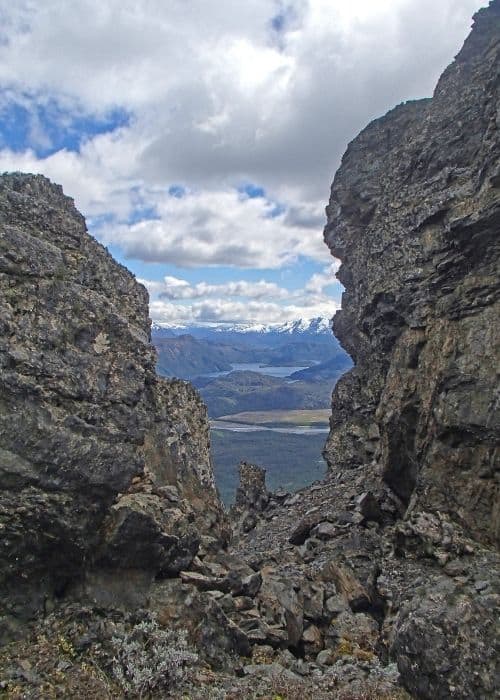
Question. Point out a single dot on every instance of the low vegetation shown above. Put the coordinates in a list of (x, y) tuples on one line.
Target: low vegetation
[(149, 660)]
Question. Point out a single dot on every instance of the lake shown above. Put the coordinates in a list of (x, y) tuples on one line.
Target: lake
[(278, 371), (290, 464)]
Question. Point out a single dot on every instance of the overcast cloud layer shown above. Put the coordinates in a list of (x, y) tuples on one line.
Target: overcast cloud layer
[(198, 133)]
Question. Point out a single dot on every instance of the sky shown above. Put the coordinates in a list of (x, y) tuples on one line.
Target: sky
[(200, 137)]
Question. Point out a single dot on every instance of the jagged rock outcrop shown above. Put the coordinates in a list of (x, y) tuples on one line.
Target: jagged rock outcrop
[(251, 497), (104, 467), (414, 216)]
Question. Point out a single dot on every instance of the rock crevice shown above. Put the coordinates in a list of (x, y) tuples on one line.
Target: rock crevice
[(380, 581)]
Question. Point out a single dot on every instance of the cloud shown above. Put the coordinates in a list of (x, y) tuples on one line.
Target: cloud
[(183, 107), (321, 280), (212, 228), (176, 300), (227, 310), (174, 288), (219, 94), (97, 176)]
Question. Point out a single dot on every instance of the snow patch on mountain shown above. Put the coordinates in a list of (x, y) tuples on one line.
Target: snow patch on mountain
[(317, 325)]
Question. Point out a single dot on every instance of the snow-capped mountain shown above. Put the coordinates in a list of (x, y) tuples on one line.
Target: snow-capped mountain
[(160, 331), (314, 326)]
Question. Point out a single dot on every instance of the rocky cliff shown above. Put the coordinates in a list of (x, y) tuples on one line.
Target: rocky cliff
[(104, 467), (414, 215)]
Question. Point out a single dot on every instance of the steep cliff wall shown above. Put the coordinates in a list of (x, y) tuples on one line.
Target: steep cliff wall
[(103, 466), (414, 215)]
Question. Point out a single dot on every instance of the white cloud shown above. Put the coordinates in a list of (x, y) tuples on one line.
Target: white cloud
[(175, 288), (227, 310), (215, 94), (98, 177), (176, 300), (320, 280), (216, 228)]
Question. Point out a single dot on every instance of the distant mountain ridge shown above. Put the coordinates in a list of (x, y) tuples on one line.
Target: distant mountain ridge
[(202, 351), (316, 326), (325, 371), (186, 357), (199, 352)]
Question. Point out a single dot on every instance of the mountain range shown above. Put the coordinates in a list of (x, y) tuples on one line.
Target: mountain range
[(315, 326), (308, 348), (193, 351)]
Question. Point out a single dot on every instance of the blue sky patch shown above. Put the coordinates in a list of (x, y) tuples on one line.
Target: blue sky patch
[(143, 213), (177, 191), (95, 223), (252, 191), (277, 210), (46, 128), (278, 22)]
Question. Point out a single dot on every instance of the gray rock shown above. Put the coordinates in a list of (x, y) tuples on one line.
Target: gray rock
[(335, 605), (369, 507), (252, 492), (313, 602), (325, 657), (303, 529), (446, 646), (358, 630), (414, 216), (324, 531), (282, 604), (250, 585), (86, 426), (416, 227), (348, 585)]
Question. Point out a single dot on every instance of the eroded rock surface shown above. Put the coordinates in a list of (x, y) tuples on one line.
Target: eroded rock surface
[(414, 215), (102, 464)]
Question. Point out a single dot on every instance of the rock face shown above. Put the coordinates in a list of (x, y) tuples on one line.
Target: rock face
[(414, 215), (103, 466)]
